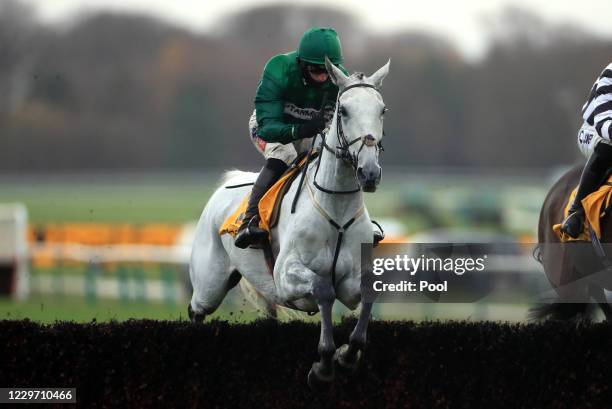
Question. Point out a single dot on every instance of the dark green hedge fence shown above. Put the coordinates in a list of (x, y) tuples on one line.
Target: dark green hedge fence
[(264, 365)]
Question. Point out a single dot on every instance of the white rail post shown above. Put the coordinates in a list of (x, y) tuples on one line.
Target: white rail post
[(14, 276)]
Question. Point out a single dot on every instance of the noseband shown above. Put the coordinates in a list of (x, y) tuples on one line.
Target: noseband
[(342, 150)]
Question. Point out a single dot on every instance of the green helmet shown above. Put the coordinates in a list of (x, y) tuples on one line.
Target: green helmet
[(316, 43)]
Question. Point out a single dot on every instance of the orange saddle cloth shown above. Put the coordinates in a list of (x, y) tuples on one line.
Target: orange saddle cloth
[(269, 205), (595, 206)]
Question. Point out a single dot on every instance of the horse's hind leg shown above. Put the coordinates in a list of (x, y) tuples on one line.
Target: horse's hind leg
[(349, 356), (210, 275), (207, 308)]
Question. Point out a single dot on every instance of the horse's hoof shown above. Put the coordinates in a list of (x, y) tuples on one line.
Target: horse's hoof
[(318, 381), (195, 317), (347, 365)]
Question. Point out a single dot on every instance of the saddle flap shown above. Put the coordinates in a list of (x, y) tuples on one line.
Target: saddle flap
[(269, 205), (596, 205)]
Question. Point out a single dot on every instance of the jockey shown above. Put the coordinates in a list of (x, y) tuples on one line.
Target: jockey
[(294, 100), (594, 143)]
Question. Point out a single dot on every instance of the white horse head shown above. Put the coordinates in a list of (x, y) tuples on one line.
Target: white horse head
[(359, 116)]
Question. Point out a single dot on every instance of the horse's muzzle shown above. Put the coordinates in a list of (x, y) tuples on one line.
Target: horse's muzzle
[(369, 177)]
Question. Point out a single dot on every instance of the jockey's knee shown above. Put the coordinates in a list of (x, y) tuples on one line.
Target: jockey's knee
[(283, 152)]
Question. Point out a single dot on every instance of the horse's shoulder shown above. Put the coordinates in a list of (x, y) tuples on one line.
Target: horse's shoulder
[(554, 203), (563, 186)]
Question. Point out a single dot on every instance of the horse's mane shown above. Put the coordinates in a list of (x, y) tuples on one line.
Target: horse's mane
[(357, 75)]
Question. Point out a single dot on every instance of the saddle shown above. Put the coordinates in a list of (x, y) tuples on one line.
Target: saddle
[(596, 205), (270, 203)]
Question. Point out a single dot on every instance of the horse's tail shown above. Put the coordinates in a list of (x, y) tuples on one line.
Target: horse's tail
[(237, 176), (557, 310), (268, 308), (258, 301)]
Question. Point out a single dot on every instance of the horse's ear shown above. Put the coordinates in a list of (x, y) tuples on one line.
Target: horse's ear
[(337, 76), (377, 78)]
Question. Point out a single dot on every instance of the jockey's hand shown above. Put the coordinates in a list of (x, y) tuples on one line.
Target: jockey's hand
[(311, 128)]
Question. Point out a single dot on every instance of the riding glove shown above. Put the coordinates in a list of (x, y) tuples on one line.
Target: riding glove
[(311, 128)]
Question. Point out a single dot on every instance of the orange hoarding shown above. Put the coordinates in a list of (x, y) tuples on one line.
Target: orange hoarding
[(96, 234)]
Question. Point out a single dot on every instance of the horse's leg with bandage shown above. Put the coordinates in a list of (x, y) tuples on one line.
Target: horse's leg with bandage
[(323, 371)]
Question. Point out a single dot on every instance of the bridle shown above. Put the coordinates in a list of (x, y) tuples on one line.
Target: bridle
[(342, 150)]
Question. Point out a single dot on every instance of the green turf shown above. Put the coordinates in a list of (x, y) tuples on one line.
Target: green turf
[(163, 201), (48, 309), (169, 203)]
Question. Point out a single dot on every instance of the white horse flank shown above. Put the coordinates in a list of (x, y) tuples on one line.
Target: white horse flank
[(305, 242)]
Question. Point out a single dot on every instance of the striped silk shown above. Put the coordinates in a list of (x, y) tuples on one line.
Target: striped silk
[(597, 111)]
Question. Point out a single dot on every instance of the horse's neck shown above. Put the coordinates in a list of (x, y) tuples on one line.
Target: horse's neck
[(335, 174)]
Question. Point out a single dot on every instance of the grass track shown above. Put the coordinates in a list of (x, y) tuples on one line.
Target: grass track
[(151, 198), (47, 309)]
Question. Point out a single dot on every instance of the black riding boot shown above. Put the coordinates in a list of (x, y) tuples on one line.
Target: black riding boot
[(592, 177), (249, 232)]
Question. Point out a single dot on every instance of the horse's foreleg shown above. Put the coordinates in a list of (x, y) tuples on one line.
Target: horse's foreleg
[(349, 356), (322, 372)]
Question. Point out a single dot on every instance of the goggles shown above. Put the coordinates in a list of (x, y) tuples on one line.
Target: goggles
[(316, 69)]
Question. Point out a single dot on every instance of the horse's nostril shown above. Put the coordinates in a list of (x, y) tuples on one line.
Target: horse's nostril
[(369, 140), (368, 174)]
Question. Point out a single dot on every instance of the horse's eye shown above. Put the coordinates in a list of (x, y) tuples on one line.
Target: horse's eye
[(384, 110), (343, 111)]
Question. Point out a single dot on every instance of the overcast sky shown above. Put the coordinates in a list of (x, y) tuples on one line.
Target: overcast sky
[(460, 20)]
